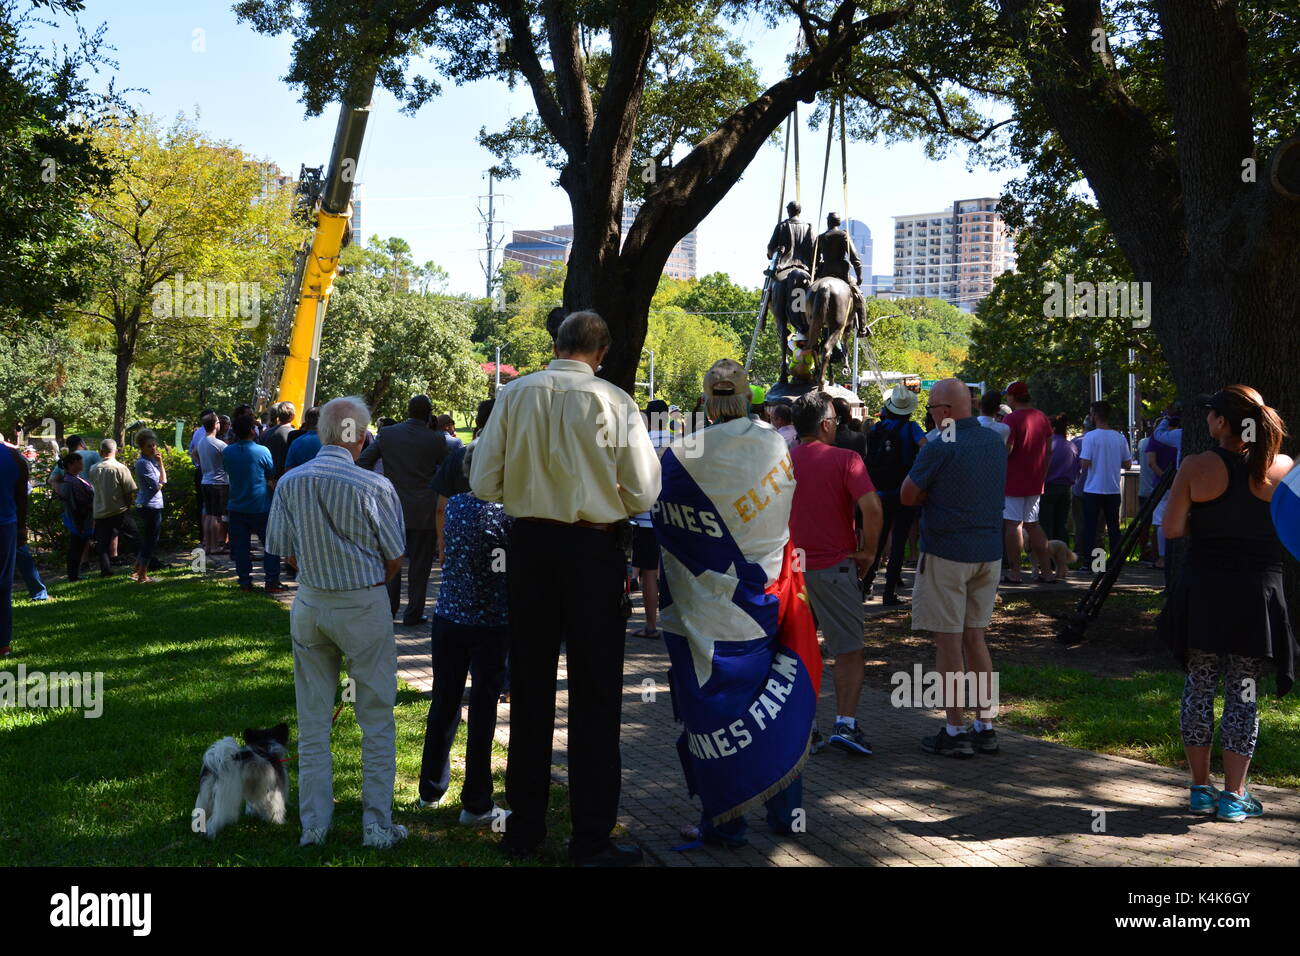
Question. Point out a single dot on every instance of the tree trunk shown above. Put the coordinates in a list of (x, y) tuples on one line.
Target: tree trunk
[(124, 355)]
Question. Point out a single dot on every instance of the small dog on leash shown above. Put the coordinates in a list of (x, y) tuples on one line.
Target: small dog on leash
[(1061, 558), (254, 774)]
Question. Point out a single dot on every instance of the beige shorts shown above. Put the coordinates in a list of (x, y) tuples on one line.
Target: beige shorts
[(950, 596)]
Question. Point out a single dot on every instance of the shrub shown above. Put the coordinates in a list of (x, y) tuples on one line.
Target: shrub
[(180, 513)]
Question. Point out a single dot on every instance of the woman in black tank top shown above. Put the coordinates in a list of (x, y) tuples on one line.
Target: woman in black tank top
[(1226, 615)]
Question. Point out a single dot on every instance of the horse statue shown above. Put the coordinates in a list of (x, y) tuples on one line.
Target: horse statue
[(786, 303), (830, 315)]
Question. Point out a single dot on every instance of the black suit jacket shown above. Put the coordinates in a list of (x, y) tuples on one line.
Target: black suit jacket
[(412, 452)]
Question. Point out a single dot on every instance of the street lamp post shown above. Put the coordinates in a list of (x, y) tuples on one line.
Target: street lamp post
[(650, 385)]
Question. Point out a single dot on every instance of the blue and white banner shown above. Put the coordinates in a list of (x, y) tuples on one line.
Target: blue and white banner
[(746, 668)]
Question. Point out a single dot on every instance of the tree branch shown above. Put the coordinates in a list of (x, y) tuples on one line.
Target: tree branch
[(525, 57), (1130, 170)]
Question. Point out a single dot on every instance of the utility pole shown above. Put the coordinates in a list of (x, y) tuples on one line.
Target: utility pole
[(493, 240)]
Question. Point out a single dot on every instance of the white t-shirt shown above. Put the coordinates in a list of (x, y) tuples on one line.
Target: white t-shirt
[(1106, 450), (1002, 428)]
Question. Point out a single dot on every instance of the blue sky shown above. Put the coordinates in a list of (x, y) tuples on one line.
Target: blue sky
[(423, 175)]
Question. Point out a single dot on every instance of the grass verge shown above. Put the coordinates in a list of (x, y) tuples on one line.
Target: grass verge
[(184, 662)]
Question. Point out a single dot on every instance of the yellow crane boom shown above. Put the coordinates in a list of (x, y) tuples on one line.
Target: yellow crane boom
[(296, 340)]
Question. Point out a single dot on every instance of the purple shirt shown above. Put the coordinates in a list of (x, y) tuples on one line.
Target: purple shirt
[(1063, 466)]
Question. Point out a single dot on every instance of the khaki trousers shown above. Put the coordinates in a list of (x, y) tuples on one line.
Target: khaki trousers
[(325, 626)]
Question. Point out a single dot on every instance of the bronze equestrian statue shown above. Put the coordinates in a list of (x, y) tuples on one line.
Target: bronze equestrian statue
[(834, 300), (792, 239)]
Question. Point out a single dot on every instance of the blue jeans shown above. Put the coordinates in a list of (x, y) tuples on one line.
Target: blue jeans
[(780, 817), (8, 554), (27, 570), (243, 525)]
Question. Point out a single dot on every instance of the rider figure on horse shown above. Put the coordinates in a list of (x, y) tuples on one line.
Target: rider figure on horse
[(793, 238), (835, 253)]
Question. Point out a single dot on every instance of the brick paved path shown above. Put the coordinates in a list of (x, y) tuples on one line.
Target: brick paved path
[(1034, 804)]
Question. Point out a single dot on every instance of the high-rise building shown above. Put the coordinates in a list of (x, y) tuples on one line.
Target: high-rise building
[(860, 233), (681, 261), (534, 249), (954, 254), (358, 196)]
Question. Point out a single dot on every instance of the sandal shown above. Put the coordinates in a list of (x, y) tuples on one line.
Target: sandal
[(646, 632)]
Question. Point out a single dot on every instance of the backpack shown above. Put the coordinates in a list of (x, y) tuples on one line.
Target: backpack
[(890, 453)]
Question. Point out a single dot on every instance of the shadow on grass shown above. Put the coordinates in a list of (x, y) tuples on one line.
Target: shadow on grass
[(184, 662)]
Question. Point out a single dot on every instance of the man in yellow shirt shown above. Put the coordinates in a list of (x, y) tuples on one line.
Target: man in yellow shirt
[(569, 457)]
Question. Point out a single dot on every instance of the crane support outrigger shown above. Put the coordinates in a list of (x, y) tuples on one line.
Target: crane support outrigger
[(295, 347)]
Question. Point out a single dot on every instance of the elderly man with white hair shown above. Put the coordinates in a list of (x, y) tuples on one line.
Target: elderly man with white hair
[(341, 526)]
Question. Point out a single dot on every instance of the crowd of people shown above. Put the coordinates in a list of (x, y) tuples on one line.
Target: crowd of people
[(537, 521)]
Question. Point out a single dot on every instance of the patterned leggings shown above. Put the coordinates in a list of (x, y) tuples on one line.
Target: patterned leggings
[(1239, 726)]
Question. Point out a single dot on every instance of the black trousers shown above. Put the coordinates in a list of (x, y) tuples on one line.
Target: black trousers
[(899, 517), (106, 529), (565, 585), (457, 648), (76, 548), (420, 546), (1054, 512), (1095, 506)]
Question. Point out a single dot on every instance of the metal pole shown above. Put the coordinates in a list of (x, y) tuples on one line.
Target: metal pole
[(652, 374), (1132, 402), (498, 371), (856, 350), (1096, 384), (490, 245)]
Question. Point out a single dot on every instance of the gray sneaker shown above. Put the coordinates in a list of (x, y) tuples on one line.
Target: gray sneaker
[(312, 837), (945, 744), (381, 838), (984, 741)]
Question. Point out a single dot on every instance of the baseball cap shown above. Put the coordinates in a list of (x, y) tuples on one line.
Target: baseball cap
[(1018, 390), (726, 377), (901, 401)]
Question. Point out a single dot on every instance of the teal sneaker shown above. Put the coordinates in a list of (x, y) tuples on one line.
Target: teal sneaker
[(1205, 799), (1235, 809)]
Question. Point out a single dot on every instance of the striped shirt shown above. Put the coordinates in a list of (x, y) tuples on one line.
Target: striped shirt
[(340, 521)]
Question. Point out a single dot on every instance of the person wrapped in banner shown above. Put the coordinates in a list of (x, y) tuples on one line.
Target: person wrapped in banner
[(745, 668)]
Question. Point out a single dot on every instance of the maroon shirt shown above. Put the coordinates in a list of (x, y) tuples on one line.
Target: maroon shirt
[(1031, 437)]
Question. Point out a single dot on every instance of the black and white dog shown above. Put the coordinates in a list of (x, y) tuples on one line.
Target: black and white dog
[(254, 774)]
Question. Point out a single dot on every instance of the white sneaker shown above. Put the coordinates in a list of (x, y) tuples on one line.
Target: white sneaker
[(421, 803), (381, 838), (313, 837), (482, 819)]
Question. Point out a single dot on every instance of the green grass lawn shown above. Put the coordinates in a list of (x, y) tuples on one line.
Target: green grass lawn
[(187, 661), (1136, 715)]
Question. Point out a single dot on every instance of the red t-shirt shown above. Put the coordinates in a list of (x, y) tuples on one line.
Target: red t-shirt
[(828, 483), (1027, 446)]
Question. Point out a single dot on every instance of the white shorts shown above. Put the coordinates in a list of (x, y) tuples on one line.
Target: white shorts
[(1023, 509)]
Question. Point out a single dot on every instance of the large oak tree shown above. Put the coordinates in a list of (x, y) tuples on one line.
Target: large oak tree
[(619, 87)]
